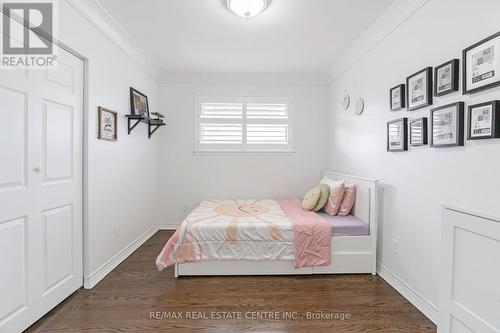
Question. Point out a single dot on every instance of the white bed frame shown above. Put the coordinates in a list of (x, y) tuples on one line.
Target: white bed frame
[(350, 254)]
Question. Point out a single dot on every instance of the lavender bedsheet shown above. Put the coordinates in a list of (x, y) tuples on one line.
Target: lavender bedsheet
[(346, 225)]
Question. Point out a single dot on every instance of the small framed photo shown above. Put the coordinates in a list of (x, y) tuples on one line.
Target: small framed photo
[(418, 132), (139, 103), (481, 65), (446, 78), (397, 97), (107, 124), (419, 89), (447, 125), (484, 121), (397, 135)]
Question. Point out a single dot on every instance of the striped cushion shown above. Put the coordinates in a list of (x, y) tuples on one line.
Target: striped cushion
[(348, 201), (335, 198)]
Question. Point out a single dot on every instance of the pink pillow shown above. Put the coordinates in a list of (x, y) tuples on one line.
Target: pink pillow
[(334, 199), (348, 200)]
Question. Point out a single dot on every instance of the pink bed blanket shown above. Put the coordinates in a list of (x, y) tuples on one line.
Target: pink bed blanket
[(272, 230), (313, 235)]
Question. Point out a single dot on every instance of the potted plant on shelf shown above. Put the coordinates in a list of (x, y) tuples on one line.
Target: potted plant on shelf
[(158, 116)]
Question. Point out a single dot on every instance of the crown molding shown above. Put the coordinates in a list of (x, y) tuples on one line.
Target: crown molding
[(99, 17), (285, 78), (397, 14)]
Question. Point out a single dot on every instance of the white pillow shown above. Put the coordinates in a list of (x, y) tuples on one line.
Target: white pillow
[(331, 183)]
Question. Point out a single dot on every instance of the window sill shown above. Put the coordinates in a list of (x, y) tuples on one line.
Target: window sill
[(239, 152)]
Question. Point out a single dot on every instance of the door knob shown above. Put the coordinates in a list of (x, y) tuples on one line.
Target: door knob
[(37, 170)]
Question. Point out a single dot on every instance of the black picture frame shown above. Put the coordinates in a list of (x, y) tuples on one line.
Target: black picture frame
[(402, 96), (454, 63), (459, 130), (495, 121), (425, 131), (428, 97), (465, 64), (133, 110), (405, 134)]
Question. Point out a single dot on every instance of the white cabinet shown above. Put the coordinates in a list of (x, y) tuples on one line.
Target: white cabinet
[(469, 291)]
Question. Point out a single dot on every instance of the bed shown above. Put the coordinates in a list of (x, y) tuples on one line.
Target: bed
[(351, 249)]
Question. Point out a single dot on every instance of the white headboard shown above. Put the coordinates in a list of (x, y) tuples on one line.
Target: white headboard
[(365, 207)]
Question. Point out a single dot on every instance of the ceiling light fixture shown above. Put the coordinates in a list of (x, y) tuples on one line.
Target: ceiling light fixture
[(247, 8)]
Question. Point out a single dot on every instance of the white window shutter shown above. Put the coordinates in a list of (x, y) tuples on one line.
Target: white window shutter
[(267, 124), (243, 124), (267, 134), (221, 133), (267, 111), (221, 111)]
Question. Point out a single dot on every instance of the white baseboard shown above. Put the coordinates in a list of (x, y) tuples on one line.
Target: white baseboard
[(428, 308), (89, 281), (169, 225)]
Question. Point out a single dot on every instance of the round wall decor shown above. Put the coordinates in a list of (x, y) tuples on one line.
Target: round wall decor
[(346, 102), (360, 106)]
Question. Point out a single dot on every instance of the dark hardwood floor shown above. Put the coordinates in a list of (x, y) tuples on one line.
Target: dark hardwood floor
[(137, 298)]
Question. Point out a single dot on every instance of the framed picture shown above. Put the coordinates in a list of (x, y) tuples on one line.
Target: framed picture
[(419, 89), (397, 135), (446, 78), (397, 97), (107, 124), (447, 125), (481, 65), (139, 103), (484, 121), (418, 132)]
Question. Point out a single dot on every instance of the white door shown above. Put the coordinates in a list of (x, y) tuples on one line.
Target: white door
[(40, 190)]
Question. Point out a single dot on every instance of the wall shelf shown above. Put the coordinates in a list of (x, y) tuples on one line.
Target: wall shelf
[(153, 124)]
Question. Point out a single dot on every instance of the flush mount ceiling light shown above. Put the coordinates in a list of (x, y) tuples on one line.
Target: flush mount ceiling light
[(247, 8)]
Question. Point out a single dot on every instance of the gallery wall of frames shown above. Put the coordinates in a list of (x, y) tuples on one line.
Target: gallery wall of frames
[(448, 125)]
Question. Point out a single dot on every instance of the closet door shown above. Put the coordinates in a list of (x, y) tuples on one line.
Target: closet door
[(40, 190)]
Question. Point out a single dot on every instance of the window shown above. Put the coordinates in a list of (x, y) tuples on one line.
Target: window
[(243, 124)]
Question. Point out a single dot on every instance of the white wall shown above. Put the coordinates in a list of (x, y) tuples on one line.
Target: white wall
[(188, 178), (121, 176), (415, 184)]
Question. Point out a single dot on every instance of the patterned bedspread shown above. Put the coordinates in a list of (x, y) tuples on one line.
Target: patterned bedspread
[(249, 230)]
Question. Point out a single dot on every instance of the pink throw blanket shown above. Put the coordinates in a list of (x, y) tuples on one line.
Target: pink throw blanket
[(313, 235)]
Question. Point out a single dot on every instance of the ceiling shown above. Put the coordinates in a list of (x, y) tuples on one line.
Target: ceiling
[(291, 36)]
